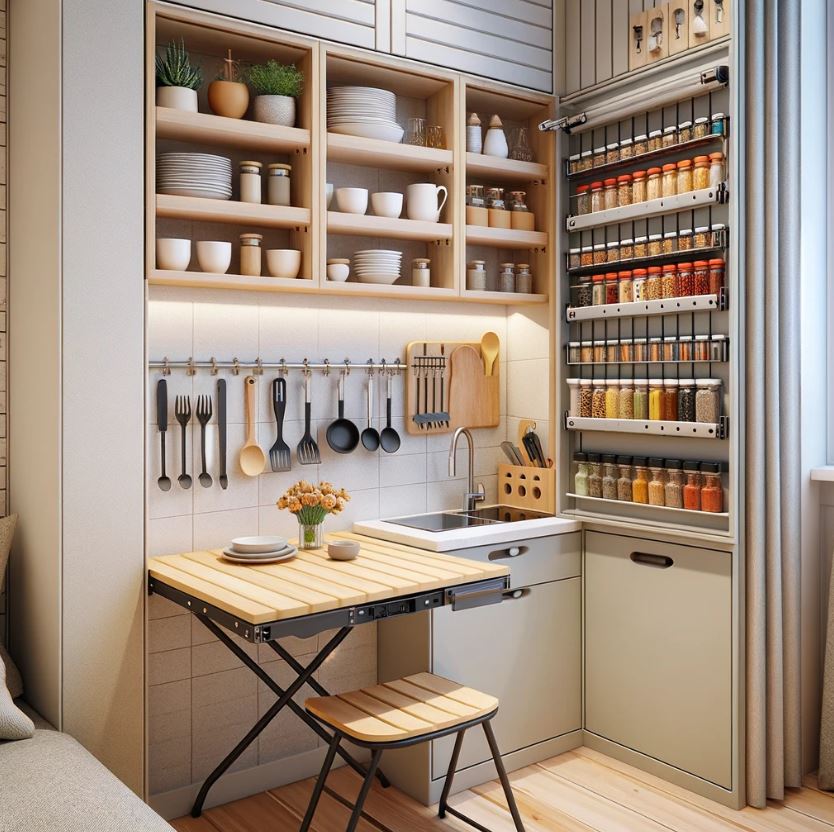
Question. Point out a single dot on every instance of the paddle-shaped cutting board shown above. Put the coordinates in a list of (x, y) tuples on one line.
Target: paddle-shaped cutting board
[(473, 396)]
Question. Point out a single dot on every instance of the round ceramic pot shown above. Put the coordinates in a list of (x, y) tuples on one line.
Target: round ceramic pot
[(275, 109), (177, 98), (228, 98)]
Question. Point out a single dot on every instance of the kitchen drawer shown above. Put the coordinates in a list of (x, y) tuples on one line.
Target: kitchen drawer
[(527, 652), (535, 560), (658, 651)]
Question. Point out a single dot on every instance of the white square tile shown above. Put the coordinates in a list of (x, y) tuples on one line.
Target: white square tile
[(170, 329), (226, 330), (528, 389), (170, 535), (402, 500), (528, 333), (401, 469), (215, 530), (349, 330), (353, 471)]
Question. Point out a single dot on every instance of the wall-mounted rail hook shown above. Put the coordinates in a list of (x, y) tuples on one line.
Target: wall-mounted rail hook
[(283, 370), (326, 369), (214, 368), (236, 366), (166, 367), (306, 369), (347, 367), (258, 370), (191, 369), (370, 366)]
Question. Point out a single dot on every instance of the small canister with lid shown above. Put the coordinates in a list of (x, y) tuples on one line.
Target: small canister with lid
[(716, 169), (669, 409), (612, 153), (700, 173), (573, 258), (654, 283), (476, 277), (586, 160), (669, 185), (670, 136), (421, 272), (624, 188), (684, 176), (610, 195), (641, 144), (685, 348), (686, 400), (708, 400), (717, 124), (684, 132), (585, 397), (641, 398), (670, 242), (654, 185), (641, 246), (278, 186), (701, 270), (573, 163), (612, 398), (638, 284), (612, 252), (716, 276), (627, 249), (638, 187), (625, 401), (686, 280), (600, 254), (250, 254), (506, 277), (655, 246), (655, 140), (685, 239), (586, 256), (250, 182), (626, 148), (700, 348), (612, 289), (701, 127), (599, 156), (669, 281), (583, 200), (718, 348), (625, 287), (598, 290), (523, 279), (574, 354), (573, 388)]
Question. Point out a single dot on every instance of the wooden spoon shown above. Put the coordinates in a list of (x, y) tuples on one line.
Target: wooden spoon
[(489, 351), (252, 458)]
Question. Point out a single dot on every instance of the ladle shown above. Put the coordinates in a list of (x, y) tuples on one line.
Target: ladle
[(370, 436), (342, 434), (389, 438)]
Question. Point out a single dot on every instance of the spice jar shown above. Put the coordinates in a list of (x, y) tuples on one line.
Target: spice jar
[(670, 240), (573, 358), (594, 475), (686, 280), (684, 132), (638, 187), (700, 173), (641, 399), (686, 400), (586, 160), (655, 350), (250, 181), (586, 256), (641, 246), (685, 239), (626, 148), (625, 403), (655, 140), (573, 163), (641, 144), (692, 489), (717, 124), (610, 193), (599, 156), (712, 492), (585, 397), (700, 128), (612, 252), (654, 285), (609, 476), (506, 278), (669, 409), (670, 348), (250, 254), (612, 398), (598, 400), (669, 184), (717, 234), (624, 189), (702, 238), (700, 349), (624, 493), (716, 169), (580, 479), (523, 279), (640, 483), (612, 289), (583, 200), (701, 277), (573, 258), (684, 176), (586, 352), (600, 255), (598, 290), (670, 136), (612, 153), (421, 272), (655, 246), (669, 281), (638, 284), (476, 277), (278, 184), (626, 249), (657, 487), (707, 400), (599, 352), (495, 199), (625, 287), (716, 276), (684, 348), (626, 352), (655, 400), (611, 349), (653, 184), (718, 348), (641, 349), (673, 490), (573, 390)]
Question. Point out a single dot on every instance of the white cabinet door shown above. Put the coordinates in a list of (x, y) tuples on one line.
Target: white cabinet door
[(658, 651), (507, 40), (527, 652)]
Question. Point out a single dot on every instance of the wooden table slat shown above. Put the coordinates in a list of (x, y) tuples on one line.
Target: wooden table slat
[(415, 564)]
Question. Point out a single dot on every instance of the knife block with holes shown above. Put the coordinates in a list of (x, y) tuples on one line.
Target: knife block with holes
[(479, 393), (526, 487)]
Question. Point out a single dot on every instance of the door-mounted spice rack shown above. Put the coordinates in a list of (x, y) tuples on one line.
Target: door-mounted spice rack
[(653, 427), (639, 309)]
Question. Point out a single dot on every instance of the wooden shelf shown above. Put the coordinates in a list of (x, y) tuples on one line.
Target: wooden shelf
[(203, 128), (504, 170), (209, 280), (355, 150), (481, 235), (378, 290), (236, 213), (396, 229), (505, 298)]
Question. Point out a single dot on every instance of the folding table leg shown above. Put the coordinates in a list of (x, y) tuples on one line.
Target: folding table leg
[(319, 787), (450, 775), (363, 793)]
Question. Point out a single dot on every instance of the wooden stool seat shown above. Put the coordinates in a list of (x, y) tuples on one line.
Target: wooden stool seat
[(403, 709)]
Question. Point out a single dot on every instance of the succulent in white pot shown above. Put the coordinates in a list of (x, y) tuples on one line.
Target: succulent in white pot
[(177, 80), (276, 86)]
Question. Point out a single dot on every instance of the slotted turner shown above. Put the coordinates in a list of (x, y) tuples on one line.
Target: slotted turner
[(308, 450), (280, 458)]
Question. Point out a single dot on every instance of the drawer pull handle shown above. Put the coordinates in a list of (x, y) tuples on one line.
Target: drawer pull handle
[(656, 561), (512, 552)]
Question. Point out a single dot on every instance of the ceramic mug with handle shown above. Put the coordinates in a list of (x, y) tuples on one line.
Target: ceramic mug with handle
[(422, 201)]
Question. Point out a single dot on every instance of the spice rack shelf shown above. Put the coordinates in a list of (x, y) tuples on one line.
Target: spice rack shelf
[(395, 229), (680, 430), (234, 213), (669, 306), (662, 509), (602, 171), (481, 235), (640, 363), (650, 208), (703, 253), (505, 170), (209, 280), (354, 150), (204, 128)]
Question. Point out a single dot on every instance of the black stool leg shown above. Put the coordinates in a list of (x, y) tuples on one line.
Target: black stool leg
[(363, 792), (502, 776), (319, 787), (450, 775)]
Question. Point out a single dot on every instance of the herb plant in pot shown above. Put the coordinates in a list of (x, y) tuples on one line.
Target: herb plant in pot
[(227, 95), (177, 80), (276, 86)]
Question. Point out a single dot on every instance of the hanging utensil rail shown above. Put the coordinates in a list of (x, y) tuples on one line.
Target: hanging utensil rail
[(283, 367)]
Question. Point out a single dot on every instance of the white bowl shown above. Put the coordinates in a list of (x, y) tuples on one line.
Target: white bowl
[(328, 194), (338, 272), (214, 256), (258, 544), (387, 204), (352, 200), (283, 262), (385, 278), (373, 130), (173, 254)]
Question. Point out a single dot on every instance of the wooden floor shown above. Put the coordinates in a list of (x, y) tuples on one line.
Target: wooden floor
[(581, 791)]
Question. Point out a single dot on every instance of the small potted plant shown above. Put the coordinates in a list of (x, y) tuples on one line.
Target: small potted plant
[(176, 79), (276, 86), (311, 504), (227, 95)]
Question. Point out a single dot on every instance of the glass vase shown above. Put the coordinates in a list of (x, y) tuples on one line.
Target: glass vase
[(309, 535)]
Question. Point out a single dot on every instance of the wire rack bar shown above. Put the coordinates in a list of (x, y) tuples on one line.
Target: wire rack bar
[(258, 366)]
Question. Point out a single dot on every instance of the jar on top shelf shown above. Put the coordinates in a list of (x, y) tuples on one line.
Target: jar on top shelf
[(700, 173), (654, 188), (598, 198), (701, 127), (586, 160), (586, 352), (700, 348), (626, 352), (609, 192), (685, 348), (654, 283), (670, 242), (573, 163), (684, 176), (626, 249), (641, 246), (655, 349), (599, 352), (612, 347), (612, 153), (638, 284), (599, 156), (655, 140), (685, 239), (625, 287), (670, 136), (250, 181), (669, 182), (684, 132), (655, 246), (686, 400), (583, 200), (718, 348), (669, 281), (641, 144), (586, 256), (612, 252), (600, 255), (670, 348), (716, 169), (624, 189), (598, 290), (641, 349), (626, 148), (717, 124)]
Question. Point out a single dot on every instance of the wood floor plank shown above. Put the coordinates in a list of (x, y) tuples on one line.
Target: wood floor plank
[(189, 824), (253, 814), (331, 815), (812, 803)]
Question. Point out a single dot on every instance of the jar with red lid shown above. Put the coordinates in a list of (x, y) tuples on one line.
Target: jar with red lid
[(716, 276), (684, 176), (624, 189), (583, 200), (638, 284), (609, 191), (597, 197), (625, 287), (654, 189), (612, 288), (701, 274), (716, 169), (700, 173), (669, 281), (638, 187), (686, 280), (598, 289), (654, 283), (669, 184)]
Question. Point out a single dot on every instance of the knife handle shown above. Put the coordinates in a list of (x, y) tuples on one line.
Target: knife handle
[(162, 405), (221, 422)]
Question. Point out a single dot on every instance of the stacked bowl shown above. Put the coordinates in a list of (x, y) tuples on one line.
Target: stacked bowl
[(259, 550), (194, 174), (377, 266), (363, 111)]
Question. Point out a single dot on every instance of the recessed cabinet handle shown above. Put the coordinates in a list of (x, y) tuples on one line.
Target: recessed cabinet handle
[(511, 552), (656, 561), (516, 594)]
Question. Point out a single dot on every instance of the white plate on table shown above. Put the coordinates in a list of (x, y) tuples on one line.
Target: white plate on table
[(236, 557), (257, 544)]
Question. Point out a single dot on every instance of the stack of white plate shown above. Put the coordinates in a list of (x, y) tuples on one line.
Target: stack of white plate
[(194, 174), (262, 549), (363, 111), (377, 265)]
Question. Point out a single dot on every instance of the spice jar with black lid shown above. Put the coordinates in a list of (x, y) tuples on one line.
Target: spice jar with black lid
[(692, 489), (594, 475), (640, 483), (657, 495), (609, 476), (712, 492), (686, 400), (673, 490)]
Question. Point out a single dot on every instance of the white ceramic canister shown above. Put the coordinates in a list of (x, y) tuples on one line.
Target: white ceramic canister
[(250, 181), (474, 136), (421, 272), (250, 254), (278, 186), (476, 276), (495, 143)]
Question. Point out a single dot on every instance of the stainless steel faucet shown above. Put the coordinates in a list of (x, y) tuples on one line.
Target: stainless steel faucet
[(474, 493)]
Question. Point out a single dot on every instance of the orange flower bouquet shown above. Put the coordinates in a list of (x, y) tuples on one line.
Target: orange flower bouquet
[(311, 504)]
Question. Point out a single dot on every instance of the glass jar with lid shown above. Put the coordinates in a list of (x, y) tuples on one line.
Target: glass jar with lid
[(250, 182), (627, 249), (638, 187), (718, 234), (641, 144), (692, 488), (586, 395), (673, 490), (612, 252), (670, 348), (702, 238), (612, 289), (523, 279), (250, 254), (701, 277), (506, 277), (684, 132), (641, 349), (716, 169), (655, 349), (518, 201), (685, 348), (609, 193), (669, 408), (594, 475), (669, 281), (654, 283), (626, 351), (700, 173), (708, 400), (718, 348), (574, 358), (685, 239), (609, 476), (669, 182), (655, 400), (475, 196), (641, 399), (684, 176), (580, 478), (657, 482), (701, 127), (573, 391), (655, 140), (421, 272), (640, 483), (716, 276), (712, 492), (598, 290), (598, 400), (625, 402), (655, 246), (638, 284), (573, 163), (625, 287), (670, 136), (599, 156), (611, 349), (573, 258), (600, 258), (670, 242), (586, 352), (612, 398), (641, 246), (495, 199), (586, 160), (624, 189), (686, 400), (279, 184), (477, 282), (717, 124), (586, 256), (626, 148), (686, 280), (654, 189), (612, 153), (599, 351), (700, 348), (624, 492)]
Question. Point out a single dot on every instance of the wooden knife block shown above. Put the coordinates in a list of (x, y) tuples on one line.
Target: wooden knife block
[(524, 487)]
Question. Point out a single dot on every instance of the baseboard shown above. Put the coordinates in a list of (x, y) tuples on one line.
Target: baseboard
[(246, 782)]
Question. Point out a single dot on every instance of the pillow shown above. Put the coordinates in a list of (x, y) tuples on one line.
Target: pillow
[(13, 680), (14, 724)]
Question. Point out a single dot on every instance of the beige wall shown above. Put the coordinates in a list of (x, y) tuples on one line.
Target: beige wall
[(3, 294)]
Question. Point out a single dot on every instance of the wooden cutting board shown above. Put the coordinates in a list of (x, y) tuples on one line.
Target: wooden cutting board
[(473, 396)]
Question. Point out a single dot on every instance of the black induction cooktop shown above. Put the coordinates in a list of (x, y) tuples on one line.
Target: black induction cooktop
[(448, 521)]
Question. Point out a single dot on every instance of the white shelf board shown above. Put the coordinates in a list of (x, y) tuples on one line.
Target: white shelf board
[(682, 430), (632, 504), (669, 306)]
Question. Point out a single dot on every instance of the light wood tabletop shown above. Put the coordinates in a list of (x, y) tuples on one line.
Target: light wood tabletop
[(311, 582)]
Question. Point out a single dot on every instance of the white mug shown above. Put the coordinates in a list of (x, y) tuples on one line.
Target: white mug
[(422, 201)]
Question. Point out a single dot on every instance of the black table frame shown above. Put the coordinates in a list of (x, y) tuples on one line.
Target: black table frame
[(344, 619)]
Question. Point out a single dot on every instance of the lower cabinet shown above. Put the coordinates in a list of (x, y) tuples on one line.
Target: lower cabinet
[(658, 651)]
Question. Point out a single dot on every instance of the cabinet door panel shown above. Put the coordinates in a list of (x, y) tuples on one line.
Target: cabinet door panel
[(658, 651), (527, 652)]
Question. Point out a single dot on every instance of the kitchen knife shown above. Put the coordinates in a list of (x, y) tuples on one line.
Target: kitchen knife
[(512, 453), (537, 447), (164, 481)]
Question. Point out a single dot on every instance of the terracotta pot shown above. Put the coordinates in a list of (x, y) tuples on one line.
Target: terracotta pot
[(228, 98), (275, 109), (177, 98)]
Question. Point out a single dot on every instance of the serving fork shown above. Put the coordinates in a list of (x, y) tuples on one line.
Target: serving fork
[(182, 410), (204, 410)]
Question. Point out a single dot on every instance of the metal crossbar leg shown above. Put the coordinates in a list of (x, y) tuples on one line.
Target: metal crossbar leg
[(270, 714), (319, 787), (363, 793), (502, 776), (450, 775)]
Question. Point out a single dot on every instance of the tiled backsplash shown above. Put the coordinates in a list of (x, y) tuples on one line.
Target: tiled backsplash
[(201, 700)]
